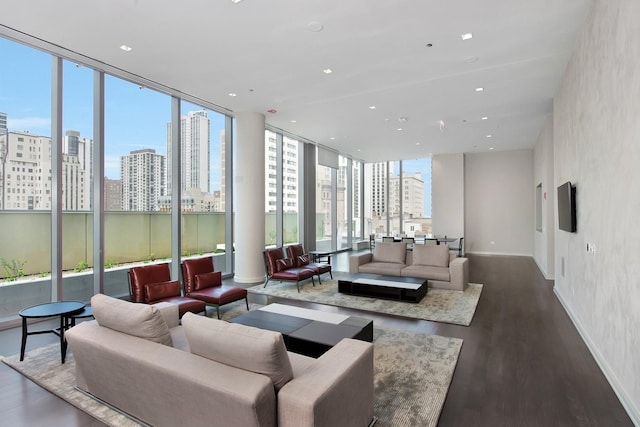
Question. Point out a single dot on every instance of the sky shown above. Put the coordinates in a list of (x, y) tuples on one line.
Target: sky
[(135, 117)]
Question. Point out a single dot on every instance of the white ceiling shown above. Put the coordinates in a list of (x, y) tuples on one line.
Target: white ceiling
[(266, 53)]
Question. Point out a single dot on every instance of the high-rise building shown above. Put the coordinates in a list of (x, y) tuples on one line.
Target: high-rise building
[(143, 174), (112, 194), (77, 174), (412, 195), (4, 146), (194, 150), (289, 173)]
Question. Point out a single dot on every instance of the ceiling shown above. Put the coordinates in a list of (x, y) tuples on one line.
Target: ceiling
[(405, 57)]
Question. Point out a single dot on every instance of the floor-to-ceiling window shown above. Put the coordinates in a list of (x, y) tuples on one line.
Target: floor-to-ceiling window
[(202, 183), (343, 192), (271, 188), (137, 227), (25, 175), (290, 190)]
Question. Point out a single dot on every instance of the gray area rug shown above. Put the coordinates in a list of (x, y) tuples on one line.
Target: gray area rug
[(439, 305), (412, 376)]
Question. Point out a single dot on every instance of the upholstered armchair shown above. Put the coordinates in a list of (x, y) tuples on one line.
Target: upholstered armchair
[(280, 268), (204, 284), (302, 259), (151, 284)]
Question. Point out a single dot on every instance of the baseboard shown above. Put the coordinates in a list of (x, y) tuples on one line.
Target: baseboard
[(544, 273), (496, 253), (625, 400)]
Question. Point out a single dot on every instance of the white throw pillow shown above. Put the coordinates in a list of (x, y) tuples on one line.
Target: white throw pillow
[(241, 346), (140, 320)]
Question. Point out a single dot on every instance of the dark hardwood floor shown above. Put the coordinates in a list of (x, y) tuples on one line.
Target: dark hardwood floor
[(522, 362)]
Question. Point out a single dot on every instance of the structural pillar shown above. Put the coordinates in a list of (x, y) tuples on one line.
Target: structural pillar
[(249, 201)]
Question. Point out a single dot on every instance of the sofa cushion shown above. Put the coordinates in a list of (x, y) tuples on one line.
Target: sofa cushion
[(156, 291), (207, 280), (140, 320), (283, 264), (390, 252), (302, 260), (434, 255), (241, 346)]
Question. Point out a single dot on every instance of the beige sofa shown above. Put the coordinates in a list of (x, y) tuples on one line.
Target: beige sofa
[(433, 262), (137, 358)]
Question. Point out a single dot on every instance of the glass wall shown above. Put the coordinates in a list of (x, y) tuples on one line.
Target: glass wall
[(290, 187), (342, 206), (324, 206), (202, 181), (271, 189), (136, 228)]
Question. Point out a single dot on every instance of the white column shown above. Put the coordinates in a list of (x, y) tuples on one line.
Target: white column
[(249, 201)]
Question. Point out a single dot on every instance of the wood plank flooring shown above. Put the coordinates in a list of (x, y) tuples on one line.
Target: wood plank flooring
[(522, 362)]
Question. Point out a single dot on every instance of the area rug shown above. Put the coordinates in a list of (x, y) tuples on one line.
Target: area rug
[(439, 305), (412, 373)]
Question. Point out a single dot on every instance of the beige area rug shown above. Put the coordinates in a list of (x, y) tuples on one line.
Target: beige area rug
[(438, 305), (412, 376)]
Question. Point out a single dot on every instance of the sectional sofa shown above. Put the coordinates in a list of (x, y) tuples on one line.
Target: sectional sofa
[(432, 262), (208, 372)]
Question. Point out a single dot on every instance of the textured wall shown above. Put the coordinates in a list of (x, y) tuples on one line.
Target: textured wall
[(597, 147), (499, 194)]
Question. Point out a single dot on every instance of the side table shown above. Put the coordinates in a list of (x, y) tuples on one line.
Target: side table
[(51, 309)]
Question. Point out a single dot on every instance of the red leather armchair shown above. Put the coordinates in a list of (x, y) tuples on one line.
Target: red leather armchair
[(303, 259), (202, 283), (152, 283), (280, 268)]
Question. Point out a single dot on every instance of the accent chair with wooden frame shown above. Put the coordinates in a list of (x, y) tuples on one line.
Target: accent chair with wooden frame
[(201, 282), (151, 284)]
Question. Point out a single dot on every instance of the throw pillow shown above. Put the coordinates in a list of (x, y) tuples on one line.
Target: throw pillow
[(207, 280), (303, 260), (390, 252), (283, 264), (140, 320), (432, 255), (245, 347), (157, 291)]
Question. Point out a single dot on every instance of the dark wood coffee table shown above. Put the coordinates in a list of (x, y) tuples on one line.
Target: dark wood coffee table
[(399, 288), (309, 335)]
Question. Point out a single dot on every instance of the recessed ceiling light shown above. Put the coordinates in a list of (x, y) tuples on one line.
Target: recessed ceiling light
[(358, 150), (466, 36), (293, 121), (399, 129), (372, 107), (126, 48), (332, 138), (479, 89), (485, 118), (232, 94), (417, 143), (315, 27), (490, 148), (327, 71), (236, 1), (489, 136)]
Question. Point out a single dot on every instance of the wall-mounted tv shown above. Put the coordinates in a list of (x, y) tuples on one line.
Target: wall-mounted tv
[(567, 207)]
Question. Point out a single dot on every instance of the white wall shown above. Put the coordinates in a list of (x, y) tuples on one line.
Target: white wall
[(543, 241), (499, 194), (596, 137), (447, 195)]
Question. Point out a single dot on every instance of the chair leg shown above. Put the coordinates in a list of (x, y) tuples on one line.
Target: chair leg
[(298, 285), (218, 311), (265, 283), (331, 274), (319, 279), (246, 300)]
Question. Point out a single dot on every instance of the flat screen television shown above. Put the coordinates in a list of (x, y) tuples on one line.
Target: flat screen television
[(567, 207)]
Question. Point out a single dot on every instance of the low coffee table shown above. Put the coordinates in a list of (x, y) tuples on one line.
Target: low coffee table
[(400, 288), (305, 331)]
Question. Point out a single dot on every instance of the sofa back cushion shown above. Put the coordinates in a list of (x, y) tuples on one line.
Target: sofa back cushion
[(207, 280), (140, 320), (390, 252), (157, 291), (435, 256), (244, 347)]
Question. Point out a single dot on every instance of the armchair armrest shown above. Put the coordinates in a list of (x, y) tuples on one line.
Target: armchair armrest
[(355, 261), (170, 313), (336, 389), (459, 272)]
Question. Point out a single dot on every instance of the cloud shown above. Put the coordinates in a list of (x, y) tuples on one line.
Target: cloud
[(32, 124)]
